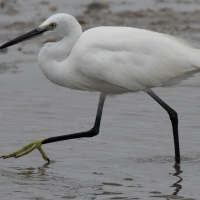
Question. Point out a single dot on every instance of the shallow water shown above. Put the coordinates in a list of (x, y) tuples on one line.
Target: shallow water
[(131, 158)]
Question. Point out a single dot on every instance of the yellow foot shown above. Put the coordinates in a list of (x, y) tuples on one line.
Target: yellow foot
[(27, 149)]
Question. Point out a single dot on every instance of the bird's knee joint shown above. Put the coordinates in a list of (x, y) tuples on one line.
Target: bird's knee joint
[(93, 132), (173, 115)]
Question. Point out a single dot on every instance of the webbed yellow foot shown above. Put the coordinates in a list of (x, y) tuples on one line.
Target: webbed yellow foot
[(27, 149)]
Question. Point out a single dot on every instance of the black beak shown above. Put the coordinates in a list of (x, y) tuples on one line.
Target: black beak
[(34, 33)]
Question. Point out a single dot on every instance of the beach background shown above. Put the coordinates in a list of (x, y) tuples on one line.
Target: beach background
[(133, 156)]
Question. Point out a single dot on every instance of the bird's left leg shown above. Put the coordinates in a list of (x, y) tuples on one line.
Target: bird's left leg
[(91, 133), (38, 143), (27, 149)]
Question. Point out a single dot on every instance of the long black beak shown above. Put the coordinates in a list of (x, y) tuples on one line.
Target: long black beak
[(34, 33)]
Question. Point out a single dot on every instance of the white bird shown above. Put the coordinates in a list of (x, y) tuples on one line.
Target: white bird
[(110, 60)]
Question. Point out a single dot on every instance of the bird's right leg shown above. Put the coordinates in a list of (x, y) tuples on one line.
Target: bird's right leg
[(174, 120), (38, 143)]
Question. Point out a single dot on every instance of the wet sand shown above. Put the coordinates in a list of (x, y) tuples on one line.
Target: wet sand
[(133, 156)]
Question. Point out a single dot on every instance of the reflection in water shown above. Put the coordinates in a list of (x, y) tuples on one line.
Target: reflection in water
[(31, 172), (177, 184)]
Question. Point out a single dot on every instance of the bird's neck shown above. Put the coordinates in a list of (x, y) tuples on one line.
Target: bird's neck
[(60, 50), (53, 54)]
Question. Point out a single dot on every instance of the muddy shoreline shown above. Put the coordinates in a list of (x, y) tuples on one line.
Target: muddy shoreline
[(133, 156)]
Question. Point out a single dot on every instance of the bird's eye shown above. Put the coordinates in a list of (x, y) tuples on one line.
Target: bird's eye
[(53, 25)]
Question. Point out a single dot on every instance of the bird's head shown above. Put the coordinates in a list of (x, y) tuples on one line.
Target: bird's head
[(56, 24)]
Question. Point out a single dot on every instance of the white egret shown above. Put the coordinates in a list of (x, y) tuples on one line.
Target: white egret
[(110, 60)]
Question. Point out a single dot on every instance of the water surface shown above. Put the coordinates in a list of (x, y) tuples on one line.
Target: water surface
[(132, 157)]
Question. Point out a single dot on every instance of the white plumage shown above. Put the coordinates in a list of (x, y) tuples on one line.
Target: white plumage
[(115, 60), (110, 60)]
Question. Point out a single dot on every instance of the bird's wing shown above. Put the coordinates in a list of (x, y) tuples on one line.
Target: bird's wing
[(133, 58)]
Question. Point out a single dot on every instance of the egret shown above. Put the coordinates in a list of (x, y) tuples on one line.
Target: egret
[(112, 61)]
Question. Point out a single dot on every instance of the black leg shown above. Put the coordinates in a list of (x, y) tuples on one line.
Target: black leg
[(93, 132), (174, 119)]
